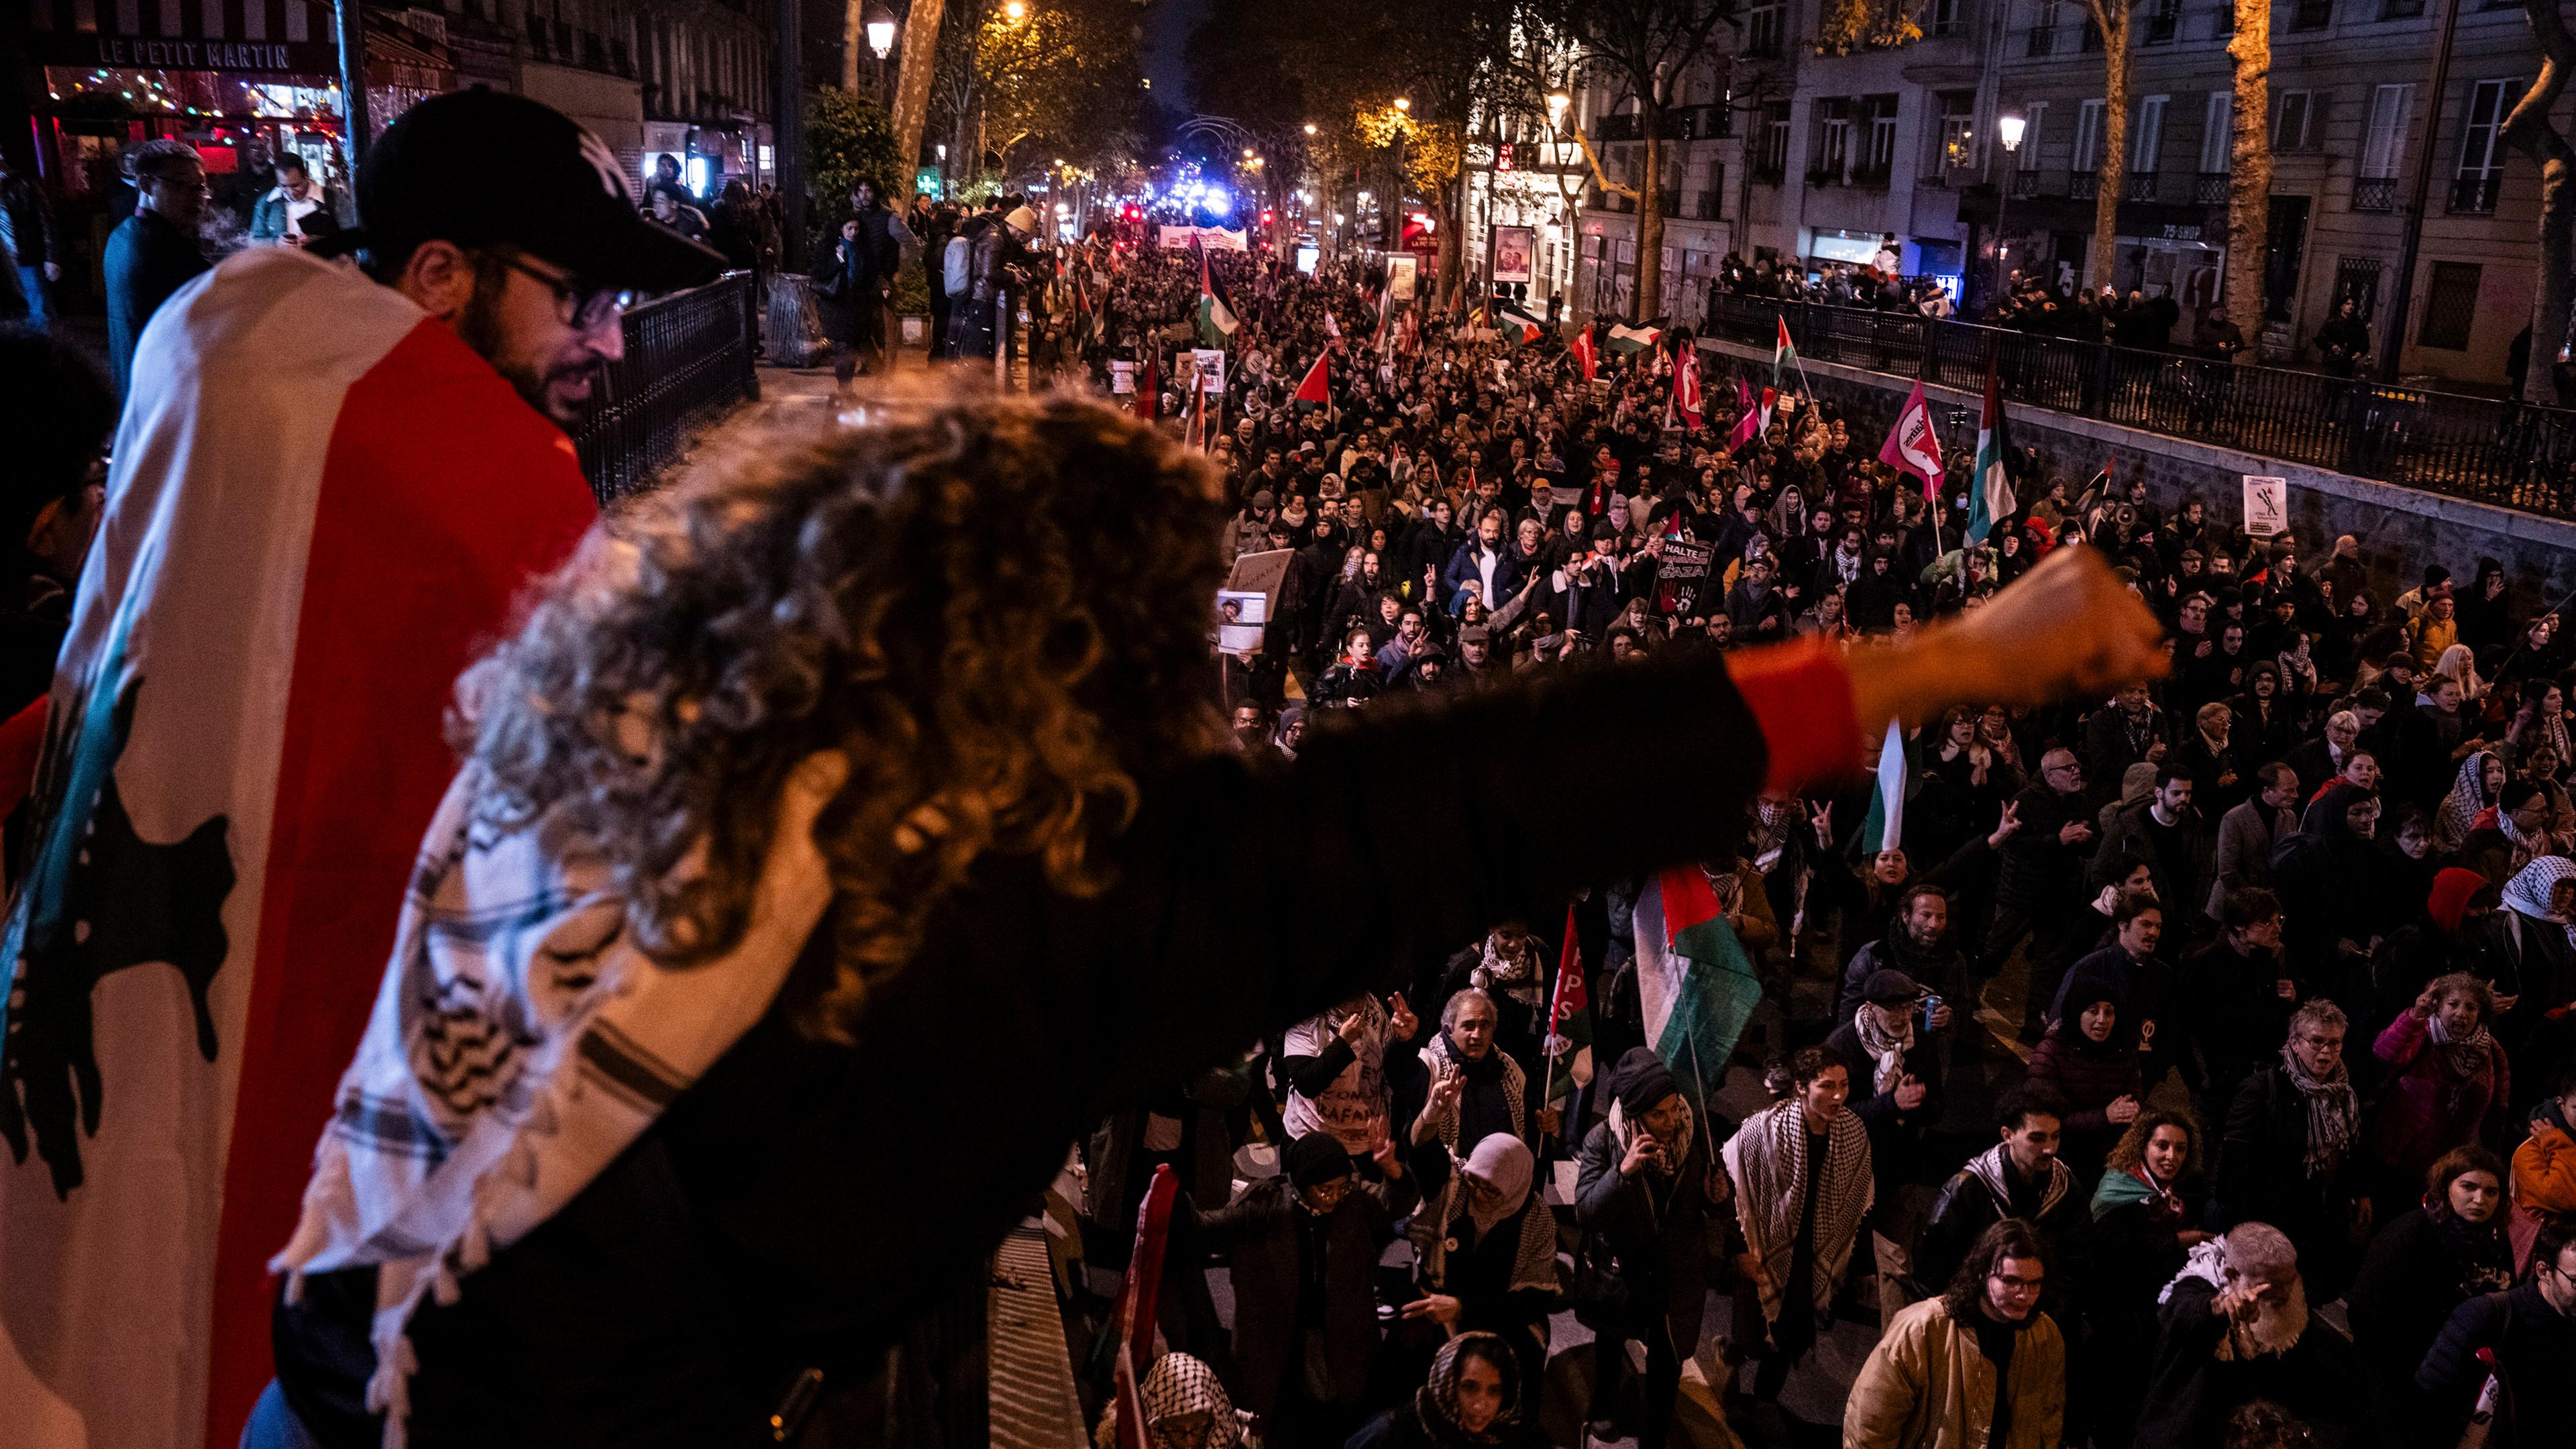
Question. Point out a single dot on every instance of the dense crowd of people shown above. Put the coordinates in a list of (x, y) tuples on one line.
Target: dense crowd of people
[(2196, 1068)]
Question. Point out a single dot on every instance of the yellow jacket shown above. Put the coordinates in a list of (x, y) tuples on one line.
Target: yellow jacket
[(1927, 1387), (2432, 636)]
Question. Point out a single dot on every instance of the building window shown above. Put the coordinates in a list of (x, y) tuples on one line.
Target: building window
[(2164, 18), (1775, 141), (2147, 136), (2034, 121), (2482, 147), (1955, 144), (1833, 142), (2357, 281), (2384, 144), (2217, 141), (1949, 17), (1762, 28), (2312, 14), (2451, 306), (2294, 120), (2088, 138), (1880, 160), (2400, 9)]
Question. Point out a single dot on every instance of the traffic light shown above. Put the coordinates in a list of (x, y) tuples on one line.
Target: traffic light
[(1265, 216)]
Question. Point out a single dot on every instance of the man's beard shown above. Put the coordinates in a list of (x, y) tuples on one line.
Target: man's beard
[(479, 327), (2276, 1329)]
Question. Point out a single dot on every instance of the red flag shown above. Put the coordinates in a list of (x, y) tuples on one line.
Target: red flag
[(1317, 388), (1583, 353), (1571, 995), (1148, 388), (1686, 398)]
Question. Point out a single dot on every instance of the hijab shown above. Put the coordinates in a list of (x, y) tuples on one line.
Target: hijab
[(1502, 1163), (1435, 1404)]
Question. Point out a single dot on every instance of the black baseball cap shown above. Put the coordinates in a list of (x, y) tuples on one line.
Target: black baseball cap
[(485, 168)]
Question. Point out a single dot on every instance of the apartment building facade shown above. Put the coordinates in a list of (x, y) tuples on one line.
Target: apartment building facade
[(1842, 157)]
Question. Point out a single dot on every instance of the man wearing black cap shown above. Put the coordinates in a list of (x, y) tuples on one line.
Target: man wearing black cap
[(1644, 1188), (1896, 1093), (330, 486)]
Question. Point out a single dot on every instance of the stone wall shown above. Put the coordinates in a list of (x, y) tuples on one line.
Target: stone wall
[(2400, 530)]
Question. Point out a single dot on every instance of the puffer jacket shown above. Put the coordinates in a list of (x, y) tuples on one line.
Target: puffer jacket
[(2428, 1110)]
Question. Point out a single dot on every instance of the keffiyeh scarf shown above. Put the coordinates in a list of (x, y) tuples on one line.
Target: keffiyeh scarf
[(2534, 888), (2274, 1331), (2334, 1112), (1504, 973), (1989, 1167), (520, 1042), (1767, 1156), (1886, 1048), (2465, 1056)]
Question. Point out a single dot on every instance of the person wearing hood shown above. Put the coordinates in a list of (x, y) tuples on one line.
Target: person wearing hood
[(1803, 1187), (2533, 940), (2089, 1061), (2475, 790), (2147, 1213), (2234, 1328), (2449, 1081), (1982, 1366), (1871, 599), (1485, 1252), (1302, 1250), (1898, 1098), (2290, 1154), (1646, 1189), (2424, 1263), (2144, 984), (2430, 741), (2451, 935), (1185, 1403), (2330, 877), (2544, 1167), (1476, 1396)]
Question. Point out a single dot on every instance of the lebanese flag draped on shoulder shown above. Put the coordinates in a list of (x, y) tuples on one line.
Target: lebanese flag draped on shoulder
[(1693, 979), (246, 747)]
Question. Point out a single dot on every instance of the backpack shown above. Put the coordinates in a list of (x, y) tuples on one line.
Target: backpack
[(955, 264)]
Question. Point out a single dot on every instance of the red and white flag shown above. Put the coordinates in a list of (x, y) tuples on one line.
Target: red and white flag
[(1686, 398), (1911, 446), (1332, 328), (1585, 356), (310, 531)]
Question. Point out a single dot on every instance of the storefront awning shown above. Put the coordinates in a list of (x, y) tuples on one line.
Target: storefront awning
[(286, 37)]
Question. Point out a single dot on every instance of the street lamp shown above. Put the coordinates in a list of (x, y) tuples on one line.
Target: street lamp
[(881, 32), (1310, 128), (1403, 103), (1556, 104), (1015, 11), (2008, 129)]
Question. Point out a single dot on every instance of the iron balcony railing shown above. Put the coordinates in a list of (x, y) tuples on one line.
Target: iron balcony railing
[(2374, 193), (2476, 195), (2493, 451), (2209, 188), (688, 360)]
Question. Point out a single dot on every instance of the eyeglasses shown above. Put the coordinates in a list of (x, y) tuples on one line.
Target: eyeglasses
[(578, 304)]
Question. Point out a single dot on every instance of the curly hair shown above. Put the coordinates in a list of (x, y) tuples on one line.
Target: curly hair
[(997, 610), (2131, 1149)]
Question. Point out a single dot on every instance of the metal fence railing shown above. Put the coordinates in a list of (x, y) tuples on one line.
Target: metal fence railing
[(2487, 449), (688, 359)]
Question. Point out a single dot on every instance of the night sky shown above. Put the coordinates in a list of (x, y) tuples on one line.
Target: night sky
[(1167, 34)]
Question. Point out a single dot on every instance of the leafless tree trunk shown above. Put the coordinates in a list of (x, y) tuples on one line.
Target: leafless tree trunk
[(2528, 130), (2111, 17), (853, 31), (1650, 211), (2249, 166), (912, 93)]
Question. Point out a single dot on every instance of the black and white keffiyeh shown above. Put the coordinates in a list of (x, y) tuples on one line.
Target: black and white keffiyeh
[(520, 1042), (1767, 1157)]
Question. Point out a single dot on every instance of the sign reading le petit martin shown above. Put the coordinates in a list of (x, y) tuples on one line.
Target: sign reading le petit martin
[(194, 54)]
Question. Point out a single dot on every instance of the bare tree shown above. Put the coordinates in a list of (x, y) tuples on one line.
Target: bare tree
[(2528, 129), (912, 92), (2249, 165), (1647, 46), (2111, 17)]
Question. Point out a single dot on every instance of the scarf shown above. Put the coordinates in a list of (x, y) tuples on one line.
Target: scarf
[(2138, 1185), (1501, 973), (1990, 1168), (2275, 1332), (1887, 1048), (2465, 1056), (2333, 1112), (1435, 1405), (1496, 1069), (519, 1043), (1623, 1135), (2458, 813), (1505, 1162), (1767, 1156), (2529, 892), (2481, 1251)]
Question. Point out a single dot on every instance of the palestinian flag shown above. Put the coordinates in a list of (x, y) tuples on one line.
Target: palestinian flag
[(1990, 493), (1215, 319), (1385, 312), (1626, 339), (244, 751), (1569, 1033), (1149, 385), (1584, 356), (1317, 390), (1693, 979), (1885, 829), (1519, 327), (1784, 359)]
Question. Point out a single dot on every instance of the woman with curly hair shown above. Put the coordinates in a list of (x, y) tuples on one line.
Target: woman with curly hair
[(854, 818), (2449, 1083), (2146, 1220)]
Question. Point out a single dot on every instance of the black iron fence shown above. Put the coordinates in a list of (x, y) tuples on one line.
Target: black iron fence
[(2498, 452), (688, 359)]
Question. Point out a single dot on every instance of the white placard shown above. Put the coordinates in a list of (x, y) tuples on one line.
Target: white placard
[(1122, 378), (2267, 506), (1210, 362)]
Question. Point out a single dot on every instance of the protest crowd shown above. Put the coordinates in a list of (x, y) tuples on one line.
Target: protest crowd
[(1549, 1003)]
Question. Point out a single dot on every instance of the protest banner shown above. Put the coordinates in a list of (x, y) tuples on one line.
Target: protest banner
[(1683, 575), (2267, 506)]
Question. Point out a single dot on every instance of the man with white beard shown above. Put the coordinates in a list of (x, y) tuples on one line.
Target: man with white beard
[(2236, 1329)]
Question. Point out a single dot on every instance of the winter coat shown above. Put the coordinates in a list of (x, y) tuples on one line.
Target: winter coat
[(2407, 1287), (2246, 835), (1658, 1231), (2088, 1083), (2129, 835), (2041, 873), (2426, 1109), (1926, 1385), (2534, 1346), (2191, 1391), (1895, 1135), (1266, 1233), (2263, 1177)]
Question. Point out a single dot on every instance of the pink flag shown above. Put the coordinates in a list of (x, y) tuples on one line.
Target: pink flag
[(1750, 422), (1911, 446), (1686, 398)]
